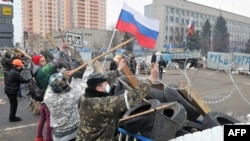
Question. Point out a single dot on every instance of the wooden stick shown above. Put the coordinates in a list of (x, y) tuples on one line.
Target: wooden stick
[(25, 54), (61, 35), (148, 111), (51, 40), (67, 53), (100, 56)]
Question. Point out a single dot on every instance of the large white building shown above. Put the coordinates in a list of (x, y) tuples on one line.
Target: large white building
[(174, 17)]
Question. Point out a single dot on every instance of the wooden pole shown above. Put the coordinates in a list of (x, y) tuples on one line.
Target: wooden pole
[(148, 111), (100, 56), (51, 40), (25, 54), (67, 53)]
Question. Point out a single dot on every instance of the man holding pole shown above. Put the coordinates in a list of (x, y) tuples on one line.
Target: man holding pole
[(100, 110)]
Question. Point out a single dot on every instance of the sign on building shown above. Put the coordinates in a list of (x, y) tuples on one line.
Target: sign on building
[(74, 39), (7, 11)]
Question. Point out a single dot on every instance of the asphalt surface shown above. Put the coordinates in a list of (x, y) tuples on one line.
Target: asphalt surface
[(222, 93)]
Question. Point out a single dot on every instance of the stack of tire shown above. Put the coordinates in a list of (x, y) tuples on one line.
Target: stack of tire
[(173, 121)]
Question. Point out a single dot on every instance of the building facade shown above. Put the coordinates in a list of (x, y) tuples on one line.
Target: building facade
[(6, 26), (175, 15), (42, 16)]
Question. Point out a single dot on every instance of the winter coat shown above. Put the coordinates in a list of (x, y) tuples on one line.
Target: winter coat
[(12, 80), (63, 107), (162, 63), (42, 73), (100, 115), (113, 65), (7, 61)]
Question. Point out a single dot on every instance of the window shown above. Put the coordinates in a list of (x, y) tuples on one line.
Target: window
[(192, 13), (171, 38), (183, 12), (177, 11), (171, 18), (177, 29), (177, 19), (172, 10), (182, 20), (171, 29), (182, 30)]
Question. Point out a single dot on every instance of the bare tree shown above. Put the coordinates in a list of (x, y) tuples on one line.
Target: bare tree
[(35, 41)]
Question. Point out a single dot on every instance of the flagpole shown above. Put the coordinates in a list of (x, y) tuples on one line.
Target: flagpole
[(109, 47)]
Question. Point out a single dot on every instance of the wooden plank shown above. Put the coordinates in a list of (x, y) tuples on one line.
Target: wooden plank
[(130, 76), (196, 99), (165, 105)]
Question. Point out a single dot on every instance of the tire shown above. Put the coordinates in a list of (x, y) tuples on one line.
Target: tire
[(157, 94), (137, 124), (176, 113), (192, 126), (174, 95), (213, 119), (181, 132), (168, 121)]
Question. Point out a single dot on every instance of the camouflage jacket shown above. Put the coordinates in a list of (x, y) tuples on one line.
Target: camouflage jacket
[(99, 116)]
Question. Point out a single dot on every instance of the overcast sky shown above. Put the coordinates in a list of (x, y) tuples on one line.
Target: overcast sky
[(114, 7)]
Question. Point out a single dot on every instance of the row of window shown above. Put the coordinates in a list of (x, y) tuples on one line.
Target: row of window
[(188, 13), (202, 18)]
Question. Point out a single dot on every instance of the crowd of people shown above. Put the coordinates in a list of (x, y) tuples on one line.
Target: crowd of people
[(73, 108)]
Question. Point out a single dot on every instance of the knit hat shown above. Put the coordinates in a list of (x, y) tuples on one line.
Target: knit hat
[(96, 78), (36, 59)]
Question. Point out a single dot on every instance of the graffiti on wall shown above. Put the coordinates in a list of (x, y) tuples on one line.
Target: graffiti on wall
[(218, 60)]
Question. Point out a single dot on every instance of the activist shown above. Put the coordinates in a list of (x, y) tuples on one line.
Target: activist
[(62, 100), (132, 64), (113, 65), (161, 64), (100, 110), (42, 71), (12, 80)]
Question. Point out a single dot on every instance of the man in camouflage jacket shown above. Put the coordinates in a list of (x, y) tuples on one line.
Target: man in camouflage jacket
[(100, 111)]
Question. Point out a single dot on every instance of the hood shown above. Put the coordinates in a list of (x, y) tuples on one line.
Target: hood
[(8, 54), (35, 69)]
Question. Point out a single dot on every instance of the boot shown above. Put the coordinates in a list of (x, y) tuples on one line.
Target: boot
[(39, 139), (16, 119)]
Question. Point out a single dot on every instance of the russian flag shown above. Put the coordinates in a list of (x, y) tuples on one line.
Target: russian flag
[(191, 28), (145, 29)]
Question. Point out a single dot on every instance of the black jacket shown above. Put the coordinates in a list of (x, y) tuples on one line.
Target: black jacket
[(12, 81), (162, 63), (7, 61), (113, 65)]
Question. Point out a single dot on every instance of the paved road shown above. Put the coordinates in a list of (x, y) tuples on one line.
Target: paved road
[(216, 88)]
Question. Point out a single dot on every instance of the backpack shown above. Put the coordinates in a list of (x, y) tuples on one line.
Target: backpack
[(34, 91)]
